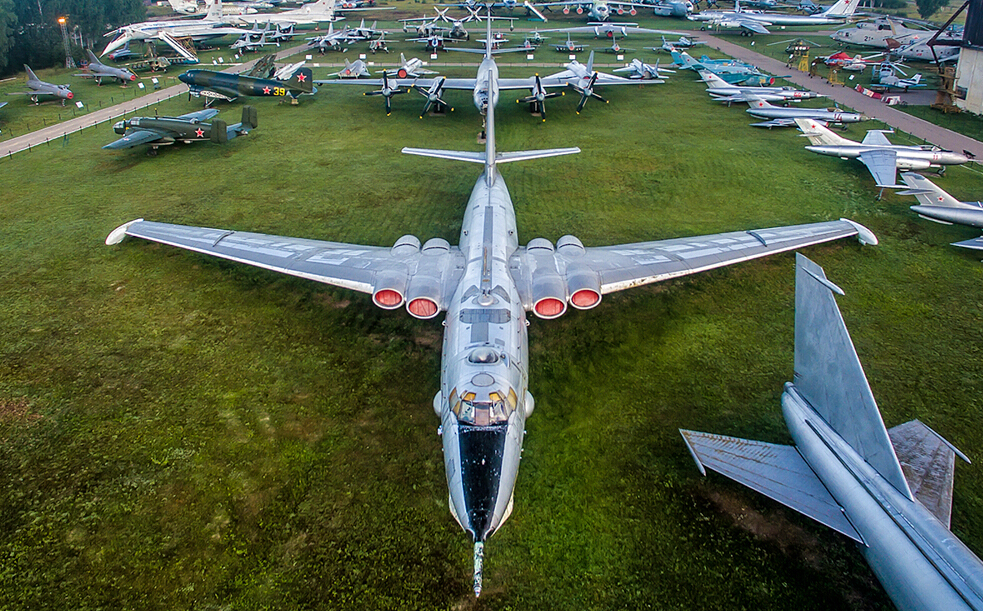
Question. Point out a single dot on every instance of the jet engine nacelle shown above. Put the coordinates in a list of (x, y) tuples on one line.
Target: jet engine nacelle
[(423, 295), (906, 163), (580, 10), (389, 290), (632, 11), (566, 11), (549, 289), (621, 11), (583, 283)]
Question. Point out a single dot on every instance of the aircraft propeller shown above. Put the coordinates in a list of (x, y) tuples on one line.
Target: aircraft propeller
[(387, 92), (539, 94), (587, 92), (432, 95)]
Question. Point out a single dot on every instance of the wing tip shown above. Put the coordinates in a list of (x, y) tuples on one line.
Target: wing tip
[(692, 452), (864, 235), (116, 235)]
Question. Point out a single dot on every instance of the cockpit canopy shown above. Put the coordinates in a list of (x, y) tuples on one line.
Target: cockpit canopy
[(483, 405)]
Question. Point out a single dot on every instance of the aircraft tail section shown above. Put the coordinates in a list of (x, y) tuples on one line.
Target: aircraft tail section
[(220, 132), (818, 134), (30, 74), (843, 8), (302, 81), (214, 11), (828, 374), (927, 192), (249, 117)]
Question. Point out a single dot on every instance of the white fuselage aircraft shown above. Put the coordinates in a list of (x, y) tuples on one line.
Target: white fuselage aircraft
[(486, 285)]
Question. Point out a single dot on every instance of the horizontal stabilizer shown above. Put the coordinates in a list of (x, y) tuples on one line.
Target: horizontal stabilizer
[(776, 471), (928, 462), (537, 154), (475, 157), (976, 244)]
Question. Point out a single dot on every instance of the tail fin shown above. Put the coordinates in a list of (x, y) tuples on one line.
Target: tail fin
[(590, 62), (916, 79), (249, 117), (92, 57), (302, 81), (927, 192), (214, 11), (819, 135), (829, 376), (843, 8), (220, 132), (30, 74)]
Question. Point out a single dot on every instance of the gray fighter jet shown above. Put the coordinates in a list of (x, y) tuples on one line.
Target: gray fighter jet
[(98, 70), (722, 91), (487, 285), (780, 116), (882, 158), (37, 88), (934, 204), (163, 131), (890, 491)]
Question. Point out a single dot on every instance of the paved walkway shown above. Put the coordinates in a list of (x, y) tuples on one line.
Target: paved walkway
[(60, 130), (876, 109)]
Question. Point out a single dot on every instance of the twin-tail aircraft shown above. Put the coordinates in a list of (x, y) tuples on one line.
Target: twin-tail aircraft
[(487, 285), (189, 128)]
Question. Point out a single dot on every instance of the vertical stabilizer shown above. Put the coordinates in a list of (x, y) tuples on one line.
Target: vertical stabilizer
[(214, 11), (930, 194), (843, 8), (819, 135), (829, 376), (30, 74)]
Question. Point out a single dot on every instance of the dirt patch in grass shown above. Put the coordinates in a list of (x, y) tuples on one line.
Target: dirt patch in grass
[(17, 410)]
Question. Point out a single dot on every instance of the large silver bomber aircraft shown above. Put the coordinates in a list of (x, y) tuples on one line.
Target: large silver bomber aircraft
[(486, 285)]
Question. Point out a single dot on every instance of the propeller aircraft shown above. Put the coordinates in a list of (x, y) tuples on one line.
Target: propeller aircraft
[(163, 131)]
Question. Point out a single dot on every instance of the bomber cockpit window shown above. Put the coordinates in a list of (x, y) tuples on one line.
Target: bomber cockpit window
[(494, 408)]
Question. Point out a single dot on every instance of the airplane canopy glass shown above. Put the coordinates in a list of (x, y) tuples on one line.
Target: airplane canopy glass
[(483, 406)]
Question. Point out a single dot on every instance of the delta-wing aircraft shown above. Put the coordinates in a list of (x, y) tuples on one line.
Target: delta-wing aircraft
[(37, 88), (486, 285), (98, 71), (163, 131), (934, 204), (889, 490), (882, 158)]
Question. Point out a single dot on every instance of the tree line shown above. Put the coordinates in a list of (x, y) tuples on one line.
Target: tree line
[(30, 32)]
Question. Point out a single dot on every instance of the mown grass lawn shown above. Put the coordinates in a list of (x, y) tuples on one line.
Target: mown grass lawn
[(181, 432)]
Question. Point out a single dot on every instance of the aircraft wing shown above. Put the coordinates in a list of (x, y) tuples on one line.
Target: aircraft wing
[(350, 266), (975, 244), (136, 138), (928, 462), (876, 137), (752, 26), (883, 166), (200, 115), (629, 265), (464, 84), (776, 471)]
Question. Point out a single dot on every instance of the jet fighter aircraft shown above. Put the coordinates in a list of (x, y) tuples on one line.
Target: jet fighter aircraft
[(98, 71), (889, 490), (934, 204), (37, 88), (882, 158), (639, 70), (569, 46), (785, 117), (163, 131), (222, 86), (722, 91), (408, 68), (487, 284)]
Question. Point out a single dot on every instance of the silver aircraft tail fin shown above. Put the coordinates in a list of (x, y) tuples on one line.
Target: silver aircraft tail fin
[(828, 373), (927, 192), (819, 134)]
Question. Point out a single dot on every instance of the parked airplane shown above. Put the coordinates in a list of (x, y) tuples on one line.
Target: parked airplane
[(919, 50), (569, 46), (882, 158), (611, 30), (883, 33), (615, 48), (98, 71), (248, 44), (842, 61), (731, 71), (722, 91), (673, 8), (895, 82), (934, 204), (755, 22), (785, 117), (37, 88), (639, 70), (322, 11), (222, 86), (683, 42), (408, 68), (487, 284), (889, 490), (596, 10), (351, 70), (430, 26), (163, 131), (212, 25), (379, 44)]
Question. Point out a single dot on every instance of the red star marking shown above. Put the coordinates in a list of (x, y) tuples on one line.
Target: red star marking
[(941, 199), (266, 91), (301, 77), (199, 132)]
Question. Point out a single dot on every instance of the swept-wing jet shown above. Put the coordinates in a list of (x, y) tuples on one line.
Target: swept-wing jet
[(683, 42), (889, 490), (756, 22), (611, 30), (882, 158), (222, 86), (98, 71), (639, 70), (249, 44), (569, 46), (673, 8), (722, 91), (351, 70), (781, 116), (487, 284), (596, 10), (408, 68), (731, 71), (934, 204), (615, 48), (37, 88), (163, 131), (212, 25), (322, 11)]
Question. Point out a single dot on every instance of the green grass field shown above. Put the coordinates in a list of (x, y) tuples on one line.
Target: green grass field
[(178, 432)]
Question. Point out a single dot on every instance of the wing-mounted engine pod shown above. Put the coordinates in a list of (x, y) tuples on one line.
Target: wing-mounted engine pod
[(436, 246), (423, 297), (584, 287), (549, 291), (389, 289), (632, 11), (580, 10), (405, 246), (566, 10)]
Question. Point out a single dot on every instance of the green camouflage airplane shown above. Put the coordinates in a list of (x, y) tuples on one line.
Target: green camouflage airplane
[(223, 86), (162, 131)]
